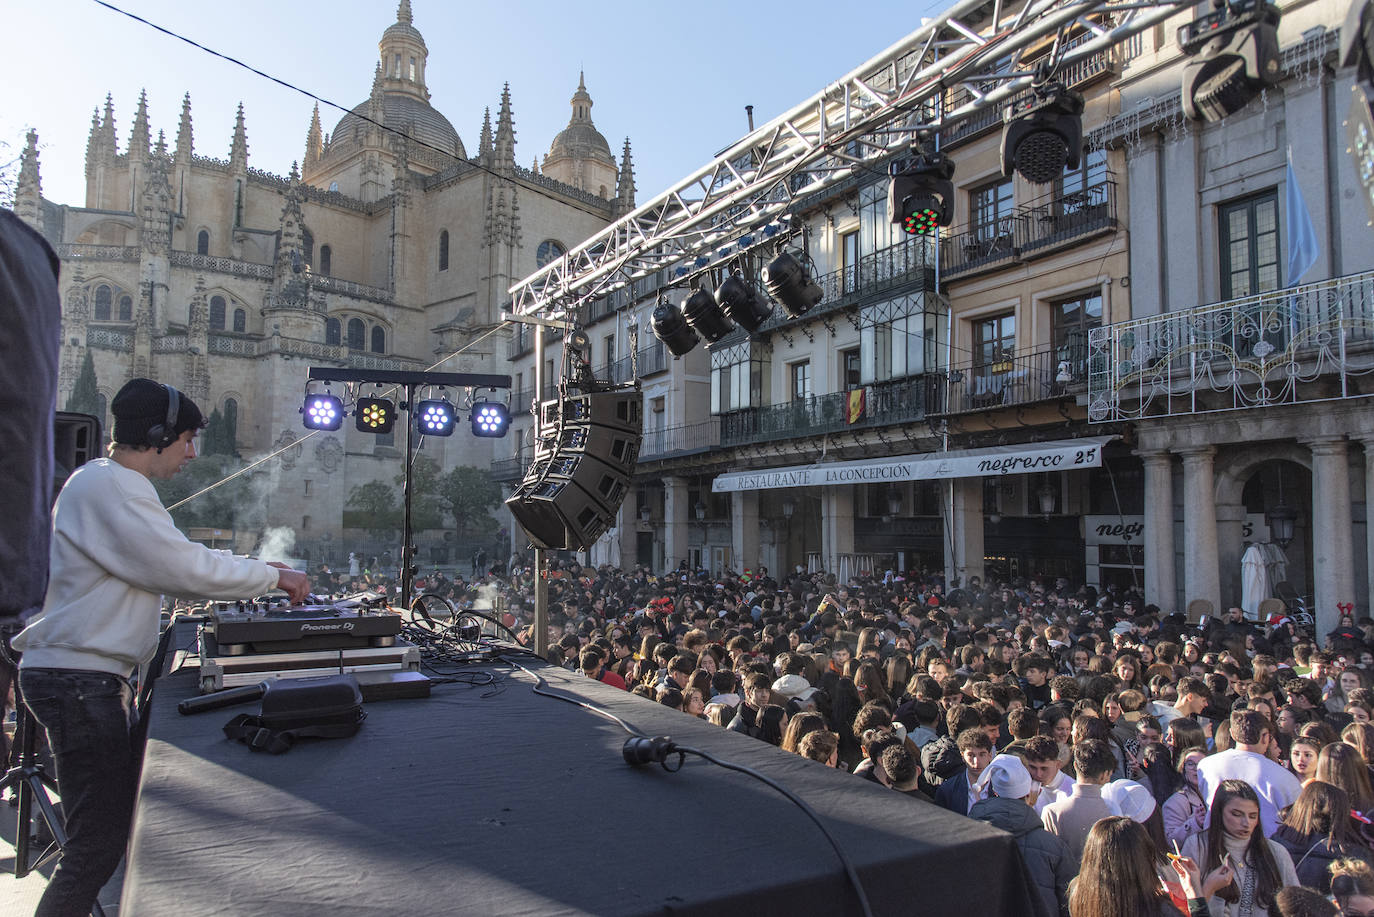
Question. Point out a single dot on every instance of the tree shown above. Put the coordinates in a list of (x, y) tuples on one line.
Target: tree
[(85, 397), (236, 504), (470, 495), (212, 440), (373, 508), (427, 502)]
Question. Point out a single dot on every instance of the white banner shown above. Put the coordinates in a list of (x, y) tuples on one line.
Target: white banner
[(1024, 458)]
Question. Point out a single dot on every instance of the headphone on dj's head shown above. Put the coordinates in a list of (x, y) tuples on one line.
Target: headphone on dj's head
[(162, 435)]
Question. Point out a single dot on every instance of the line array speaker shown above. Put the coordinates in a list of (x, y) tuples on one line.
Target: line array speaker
[(583, 463)]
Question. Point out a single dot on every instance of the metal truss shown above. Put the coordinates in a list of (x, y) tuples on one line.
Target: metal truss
[(743, 197)]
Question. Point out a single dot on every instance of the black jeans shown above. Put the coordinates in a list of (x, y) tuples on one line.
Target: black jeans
[(89, 718)]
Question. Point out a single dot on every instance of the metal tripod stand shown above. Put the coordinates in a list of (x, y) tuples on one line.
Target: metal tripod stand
[(30, 781)]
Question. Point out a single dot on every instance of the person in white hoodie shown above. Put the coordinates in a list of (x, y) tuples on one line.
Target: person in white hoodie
[(115, 551)]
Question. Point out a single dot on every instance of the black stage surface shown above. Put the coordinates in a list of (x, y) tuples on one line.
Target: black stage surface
[(509, 803)]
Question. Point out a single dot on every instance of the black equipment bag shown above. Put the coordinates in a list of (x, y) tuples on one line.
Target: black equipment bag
[(328, 707)]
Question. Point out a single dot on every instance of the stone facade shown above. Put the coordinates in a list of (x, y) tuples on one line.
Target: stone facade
[(388, 249)]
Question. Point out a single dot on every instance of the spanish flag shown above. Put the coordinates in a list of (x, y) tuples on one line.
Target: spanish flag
[(855, 412)]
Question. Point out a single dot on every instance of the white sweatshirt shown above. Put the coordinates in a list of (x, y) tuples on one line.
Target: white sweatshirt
[(115, 552)]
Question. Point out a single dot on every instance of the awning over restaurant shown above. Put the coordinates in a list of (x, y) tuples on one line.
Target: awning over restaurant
[(1022, 458)]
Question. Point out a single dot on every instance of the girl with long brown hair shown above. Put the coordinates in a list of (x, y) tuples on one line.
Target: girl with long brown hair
[(1119, 876), (1235, 838), (1317, 830)]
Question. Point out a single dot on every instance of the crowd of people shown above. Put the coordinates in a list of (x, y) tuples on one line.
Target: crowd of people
[(1144, 764)]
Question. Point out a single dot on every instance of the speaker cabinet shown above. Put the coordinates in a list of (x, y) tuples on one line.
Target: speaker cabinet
[(584, 460)]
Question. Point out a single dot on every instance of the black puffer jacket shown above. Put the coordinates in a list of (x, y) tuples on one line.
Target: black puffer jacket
[(1049, 864), (1313, 855)]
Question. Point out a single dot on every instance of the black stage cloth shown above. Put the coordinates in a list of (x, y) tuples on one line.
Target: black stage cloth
[(503, 802)]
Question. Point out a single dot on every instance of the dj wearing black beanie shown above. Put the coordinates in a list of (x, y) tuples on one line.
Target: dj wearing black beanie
[(115, 552)]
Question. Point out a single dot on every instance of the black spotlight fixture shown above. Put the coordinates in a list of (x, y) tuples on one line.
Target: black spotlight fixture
[(672, 329), (790, 284), (375, 415), (706, 316), (920, 193), (1234, 53), (1043, 134), (738, 298)]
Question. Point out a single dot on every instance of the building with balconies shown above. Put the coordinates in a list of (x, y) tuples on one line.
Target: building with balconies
[(999, 403)]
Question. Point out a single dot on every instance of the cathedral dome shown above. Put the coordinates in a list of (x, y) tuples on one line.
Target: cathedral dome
[(581, 141), (409, 115)]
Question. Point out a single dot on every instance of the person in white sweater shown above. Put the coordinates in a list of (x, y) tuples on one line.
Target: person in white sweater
[(115, 552), (1235, 838)]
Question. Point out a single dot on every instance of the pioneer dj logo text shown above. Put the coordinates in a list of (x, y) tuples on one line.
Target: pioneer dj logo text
[(341, 625)]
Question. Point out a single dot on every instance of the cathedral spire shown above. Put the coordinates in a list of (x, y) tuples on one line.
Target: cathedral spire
[(484, 140), (238, 149), (314, 139), (184, 144), (504, 145), (28, 193), (93, 143), (625, 184), (160, 151), (403, 14), (109, 141), (138, 137)]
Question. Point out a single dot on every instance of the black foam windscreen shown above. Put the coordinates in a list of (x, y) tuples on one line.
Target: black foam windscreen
[(584, 461)]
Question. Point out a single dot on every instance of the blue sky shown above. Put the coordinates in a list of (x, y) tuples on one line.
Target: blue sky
[(674, 77)]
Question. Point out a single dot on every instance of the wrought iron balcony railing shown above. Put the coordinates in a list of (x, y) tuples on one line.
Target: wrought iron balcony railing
[(883, 403), (512, 469), (1043, 375), (684, 439), (1031, 231), (1309, 343)]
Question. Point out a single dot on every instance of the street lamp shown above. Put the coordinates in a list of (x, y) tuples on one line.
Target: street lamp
[(1281, 518), (1045, 494)]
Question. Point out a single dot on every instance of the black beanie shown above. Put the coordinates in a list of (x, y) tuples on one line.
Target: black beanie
[(141, 405)]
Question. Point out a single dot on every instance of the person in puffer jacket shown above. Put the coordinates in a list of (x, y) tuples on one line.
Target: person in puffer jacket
[(1049, 864)]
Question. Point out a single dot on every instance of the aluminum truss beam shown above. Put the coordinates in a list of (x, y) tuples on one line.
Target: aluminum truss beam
[(853, 124)]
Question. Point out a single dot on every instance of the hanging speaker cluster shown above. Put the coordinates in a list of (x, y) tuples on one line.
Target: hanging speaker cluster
[(582, 469)]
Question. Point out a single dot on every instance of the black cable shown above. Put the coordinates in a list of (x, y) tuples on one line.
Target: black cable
[(669, 747), (849, 869)]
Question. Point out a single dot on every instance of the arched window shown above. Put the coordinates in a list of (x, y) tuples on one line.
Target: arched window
[(126, 308), (549, 250), (308, 244), (203, 242), (326, 255), (378, 339), (103, 298), (333, 332), (217, 313), (231, 422), (443, 249), (355, 334), (240, 321)]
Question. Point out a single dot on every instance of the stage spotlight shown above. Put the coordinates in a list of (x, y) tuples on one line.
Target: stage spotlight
[(490, 418), (706, 316), (790, 284), (374, 415), (435, 417), (322, 412), (1043, 135), (671, 328), (738, 298), (920, 194), (1234, 53)]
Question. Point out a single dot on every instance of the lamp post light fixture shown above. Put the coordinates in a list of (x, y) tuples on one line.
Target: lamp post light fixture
[(789, 506), (1045, 494), (700, 510), (1281, 518)]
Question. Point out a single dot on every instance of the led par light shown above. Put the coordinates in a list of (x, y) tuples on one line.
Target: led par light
[(322, 412), (374, 415), (490, 418), (434, 417)]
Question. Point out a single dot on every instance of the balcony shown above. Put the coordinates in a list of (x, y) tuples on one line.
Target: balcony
[(521, 341), (1031, 231), (506, 470), (1044, 375), (1310, 343), (884, 403), (520, 402), (876, 273), (685, 439)]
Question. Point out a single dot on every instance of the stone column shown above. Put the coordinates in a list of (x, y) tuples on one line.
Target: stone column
[(964, 543), (1201, 575), (744, 530), (676, 513), (1161, 582), (627, 531), (1332, 553), (837, 525), (1368, 444)]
